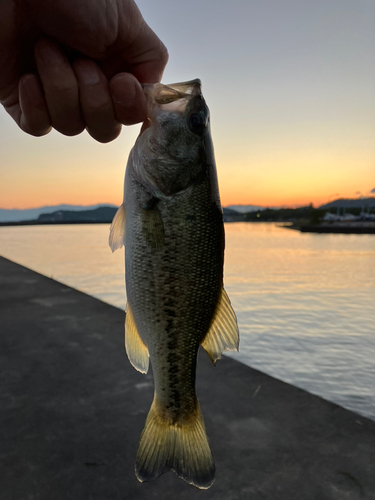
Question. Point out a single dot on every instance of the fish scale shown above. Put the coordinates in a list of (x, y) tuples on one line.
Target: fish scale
[(191, 257)]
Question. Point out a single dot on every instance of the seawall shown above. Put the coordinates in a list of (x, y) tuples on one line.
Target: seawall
[(72, 409)]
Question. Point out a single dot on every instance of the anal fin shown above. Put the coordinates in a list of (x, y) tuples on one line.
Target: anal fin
[(135, 348), (223, 334), (117, 230)]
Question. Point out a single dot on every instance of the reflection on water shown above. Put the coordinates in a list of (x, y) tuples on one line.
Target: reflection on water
[(77, 255), (305, 302), (305, 305)]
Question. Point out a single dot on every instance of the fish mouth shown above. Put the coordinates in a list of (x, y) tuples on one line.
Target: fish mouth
[(192, 87), (173, 97), (164, 96)]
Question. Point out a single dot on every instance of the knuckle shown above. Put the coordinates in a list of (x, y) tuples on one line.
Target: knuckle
[(59, 89), (164, 54), (98, 106)]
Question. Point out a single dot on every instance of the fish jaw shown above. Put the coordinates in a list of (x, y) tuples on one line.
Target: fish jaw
[(171, 99)]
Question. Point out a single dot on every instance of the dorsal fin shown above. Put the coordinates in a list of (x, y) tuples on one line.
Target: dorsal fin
[(135, 348), (117, 230), (223, 334)]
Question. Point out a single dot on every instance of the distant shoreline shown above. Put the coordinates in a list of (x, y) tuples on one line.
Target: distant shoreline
[(333, 228), (53, 223), (306, 228)]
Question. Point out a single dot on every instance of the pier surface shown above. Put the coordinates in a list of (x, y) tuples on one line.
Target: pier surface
[(72, 409)]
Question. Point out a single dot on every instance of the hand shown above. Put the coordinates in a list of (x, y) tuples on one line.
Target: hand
[(72, 65)]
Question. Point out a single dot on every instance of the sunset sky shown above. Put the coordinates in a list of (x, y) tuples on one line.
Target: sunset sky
[(291, 89)]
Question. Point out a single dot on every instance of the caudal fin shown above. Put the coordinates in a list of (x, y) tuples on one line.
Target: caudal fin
[(181, 447)]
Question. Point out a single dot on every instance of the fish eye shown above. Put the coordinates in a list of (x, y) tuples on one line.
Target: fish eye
[(197, 123)]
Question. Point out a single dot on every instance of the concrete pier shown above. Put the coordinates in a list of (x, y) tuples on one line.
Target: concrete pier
[(72, 409)]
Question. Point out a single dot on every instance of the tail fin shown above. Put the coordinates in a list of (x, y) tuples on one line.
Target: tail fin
[(181, 447)]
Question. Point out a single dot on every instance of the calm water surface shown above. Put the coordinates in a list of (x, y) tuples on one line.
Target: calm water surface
[(305, 302)]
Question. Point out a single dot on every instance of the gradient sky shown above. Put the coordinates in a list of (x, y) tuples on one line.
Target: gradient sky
[(291, 89)]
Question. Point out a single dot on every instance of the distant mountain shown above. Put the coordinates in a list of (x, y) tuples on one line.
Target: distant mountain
[(229, 211), (350, 203), (243, 209), (16, 215), (98, 215), (230, 215), (101, 214)]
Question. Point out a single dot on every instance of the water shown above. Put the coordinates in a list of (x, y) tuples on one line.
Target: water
[(304, 302)]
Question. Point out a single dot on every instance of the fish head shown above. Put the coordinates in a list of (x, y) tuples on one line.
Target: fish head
[(175, 144)]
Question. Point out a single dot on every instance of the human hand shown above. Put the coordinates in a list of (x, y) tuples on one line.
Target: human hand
[(74, 65)]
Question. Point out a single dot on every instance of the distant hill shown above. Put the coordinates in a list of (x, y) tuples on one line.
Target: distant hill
[(16, 215), (97, 215), (101, 214), (243, 209), (229, 211), (280, 214), (350, 203), (230, 215)]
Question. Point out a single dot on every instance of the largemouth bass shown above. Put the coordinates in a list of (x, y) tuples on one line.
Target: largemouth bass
[(174, 255)]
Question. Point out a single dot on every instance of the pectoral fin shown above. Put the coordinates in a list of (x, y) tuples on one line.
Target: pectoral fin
[(135, 348), (223, 333), (117, 230)]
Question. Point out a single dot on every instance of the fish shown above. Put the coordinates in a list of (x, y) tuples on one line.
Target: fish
[(171, 225)]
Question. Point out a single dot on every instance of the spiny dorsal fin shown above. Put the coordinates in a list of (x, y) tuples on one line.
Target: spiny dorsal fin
[(223, 334), (117, 230), (135, 348)]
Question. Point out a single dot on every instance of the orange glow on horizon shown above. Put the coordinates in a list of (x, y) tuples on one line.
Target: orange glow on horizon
[(267, 181), (227, 198)]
